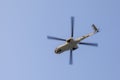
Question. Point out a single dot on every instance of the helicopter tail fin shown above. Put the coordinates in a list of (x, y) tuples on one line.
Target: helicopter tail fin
[(95, 28)]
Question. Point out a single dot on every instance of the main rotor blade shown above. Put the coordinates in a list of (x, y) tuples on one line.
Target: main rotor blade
[(71, 58), (90, 44), (72, 26), (55, 38)]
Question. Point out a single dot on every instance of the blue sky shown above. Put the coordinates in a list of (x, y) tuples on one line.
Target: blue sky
[(26, 53)]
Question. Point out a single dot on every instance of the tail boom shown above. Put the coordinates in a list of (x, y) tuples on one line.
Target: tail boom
[(88, 35)]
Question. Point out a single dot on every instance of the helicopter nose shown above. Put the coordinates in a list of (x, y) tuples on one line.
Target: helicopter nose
[(57, 51)]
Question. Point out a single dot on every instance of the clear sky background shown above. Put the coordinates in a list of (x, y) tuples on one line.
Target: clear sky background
[(27, 54)]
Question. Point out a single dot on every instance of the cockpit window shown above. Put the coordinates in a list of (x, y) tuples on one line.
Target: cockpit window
[(59, 50)]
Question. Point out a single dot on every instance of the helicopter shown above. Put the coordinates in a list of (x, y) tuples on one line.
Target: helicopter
[(71, 43)]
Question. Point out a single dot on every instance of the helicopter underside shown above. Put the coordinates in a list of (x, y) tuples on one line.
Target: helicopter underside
[(70, 44)]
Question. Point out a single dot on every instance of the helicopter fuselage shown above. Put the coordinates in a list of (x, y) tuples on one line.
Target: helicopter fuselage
[(71, 44)]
